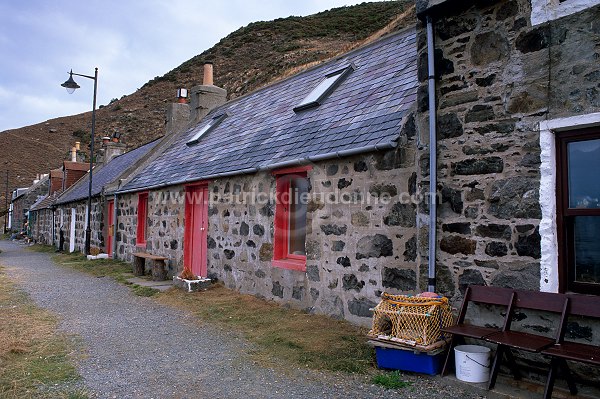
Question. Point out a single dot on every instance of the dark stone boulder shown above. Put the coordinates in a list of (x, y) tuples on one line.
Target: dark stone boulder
[(480, 113), (258, 230), (460, 228), (350, 282), (344, 261), (331, 170), (229, 254), (298, 292), (410, 249), (535, 40), (496, 248), (515, 197), (260, 274), (377, 190), (489, 47), (469, 277), (312, 273), (400, 279), (449, 126), (343, 183), (401, 215), (338, 246), (523, 277), (457, 244), (174, 244), (244, 229), (314, 294), (454, 198), (313, 250), (277, 289), (334, 229), (478, 166), (487, 81), (494, 230), (374, 247), (360, 166), (529, 245), (361, 307)]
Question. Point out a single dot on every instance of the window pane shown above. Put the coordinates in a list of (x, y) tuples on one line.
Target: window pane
[(298, 190), (584, 180), (587, 249)]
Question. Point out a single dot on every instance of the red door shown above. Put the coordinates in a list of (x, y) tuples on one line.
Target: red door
[(111, 227), (196, 229)]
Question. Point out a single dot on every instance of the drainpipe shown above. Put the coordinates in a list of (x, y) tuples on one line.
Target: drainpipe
[(431, 281), (114, 241)]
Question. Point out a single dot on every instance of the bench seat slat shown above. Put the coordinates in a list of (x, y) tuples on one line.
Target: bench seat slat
[(575, 351), (520, 340), (470, 331), (149, 256)]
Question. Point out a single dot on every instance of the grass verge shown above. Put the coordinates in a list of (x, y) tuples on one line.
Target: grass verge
[(391, 380), (116, 269), (293, 337), (34, 361)]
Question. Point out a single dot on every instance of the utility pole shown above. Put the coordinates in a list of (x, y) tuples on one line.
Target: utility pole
[(6, 202)]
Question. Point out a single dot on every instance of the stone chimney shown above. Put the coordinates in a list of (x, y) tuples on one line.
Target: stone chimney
[(177, 115), (111, 147), (206, 97)]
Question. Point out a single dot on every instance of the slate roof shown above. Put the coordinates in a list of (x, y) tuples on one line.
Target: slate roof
[(104, 174), (261, 129)]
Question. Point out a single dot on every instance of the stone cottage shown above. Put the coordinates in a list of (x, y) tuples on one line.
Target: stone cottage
[(69, 209), (299, 192), (23, 199), (513, 87)]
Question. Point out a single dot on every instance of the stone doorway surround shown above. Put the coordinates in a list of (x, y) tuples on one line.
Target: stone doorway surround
[(548, 230)]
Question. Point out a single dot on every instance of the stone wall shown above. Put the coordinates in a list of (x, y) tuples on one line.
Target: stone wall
[(497, 79), (41, 228), (360, 241), (97, 223)]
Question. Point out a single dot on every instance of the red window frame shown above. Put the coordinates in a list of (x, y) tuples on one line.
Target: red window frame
[(281, 256), (142, 216), (566, 215)]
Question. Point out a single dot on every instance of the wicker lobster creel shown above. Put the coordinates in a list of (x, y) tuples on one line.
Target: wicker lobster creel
[(411, 320)]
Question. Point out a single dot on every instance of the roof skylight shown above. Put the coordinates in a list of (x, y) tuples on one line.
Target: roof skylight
[(208, 127), (324, 89)]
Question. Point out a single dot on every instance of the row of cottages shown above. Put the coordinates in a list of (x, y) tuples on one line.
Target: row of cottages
[(63, 212), (298, 192)]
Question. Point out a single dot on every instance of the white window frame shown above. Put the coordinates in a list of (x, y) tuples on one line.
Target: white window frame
[(548, 229)]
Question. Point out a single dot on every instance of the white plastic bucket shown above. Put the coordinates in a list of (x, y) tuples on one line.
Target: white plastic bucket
[(472, 363)]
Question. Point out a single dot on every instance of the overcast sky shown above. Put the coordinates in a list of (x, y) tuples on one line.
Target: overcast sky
[(130, 41)]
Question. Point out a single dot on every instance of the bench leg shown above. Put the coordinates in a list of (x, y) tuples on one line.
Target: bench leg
[(568, 376), (139, 266), (512, 364), (159, 272), (496, 366), (449, 356), (551, 377)]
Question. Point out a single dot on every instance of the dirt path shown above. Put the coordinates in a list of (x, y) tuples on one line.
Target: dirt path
[(137, 348)]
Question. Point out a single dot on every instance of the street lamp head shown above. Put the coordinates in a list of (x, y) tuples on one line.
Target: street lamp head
[(70, 84)]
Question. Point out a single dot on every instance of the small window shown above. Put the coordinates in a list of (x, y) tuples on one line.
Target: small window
[(290, 220), (578, 161), (214, 122), (142, 217), (323, 89)]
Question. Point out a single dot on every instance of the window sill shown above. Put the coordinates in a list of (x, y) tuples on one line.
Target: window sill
[(291, 264), (140, 245)]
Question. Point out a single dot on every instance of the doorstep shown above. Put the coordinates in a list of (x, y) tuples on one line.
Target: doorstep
[(157, 285)]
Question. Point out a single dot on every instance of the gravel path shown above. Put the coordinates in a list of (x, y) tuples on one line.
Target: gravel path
[(137, 348)]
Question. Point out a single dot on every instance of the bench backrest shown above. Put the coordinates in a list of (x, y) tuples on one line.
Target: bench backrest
[(584, 305), (536, 300), (485, 295)]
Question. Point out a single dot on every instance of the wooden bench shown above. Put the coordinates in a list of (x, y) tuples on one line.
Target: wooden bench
[(498, 296), (556, 347), (507, 339), (159, 270), (585, 306)]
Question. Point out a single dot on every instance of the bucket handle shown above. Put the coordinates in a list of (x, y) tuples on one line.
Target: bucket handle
[(473, 360)]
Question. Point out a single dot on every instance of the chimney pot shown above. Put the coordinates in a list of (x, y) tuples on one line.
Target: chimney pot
[(105, 140), (77, 145), (74, 154), (208, 74)]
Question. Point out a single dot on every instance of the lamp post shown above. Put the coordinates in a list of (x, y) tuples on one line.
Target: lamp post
[(6, 199), (71, 85)]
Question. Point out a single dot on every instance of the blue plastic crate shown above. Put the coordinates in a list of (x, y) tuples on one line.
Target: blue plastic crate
[(398, 359)]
